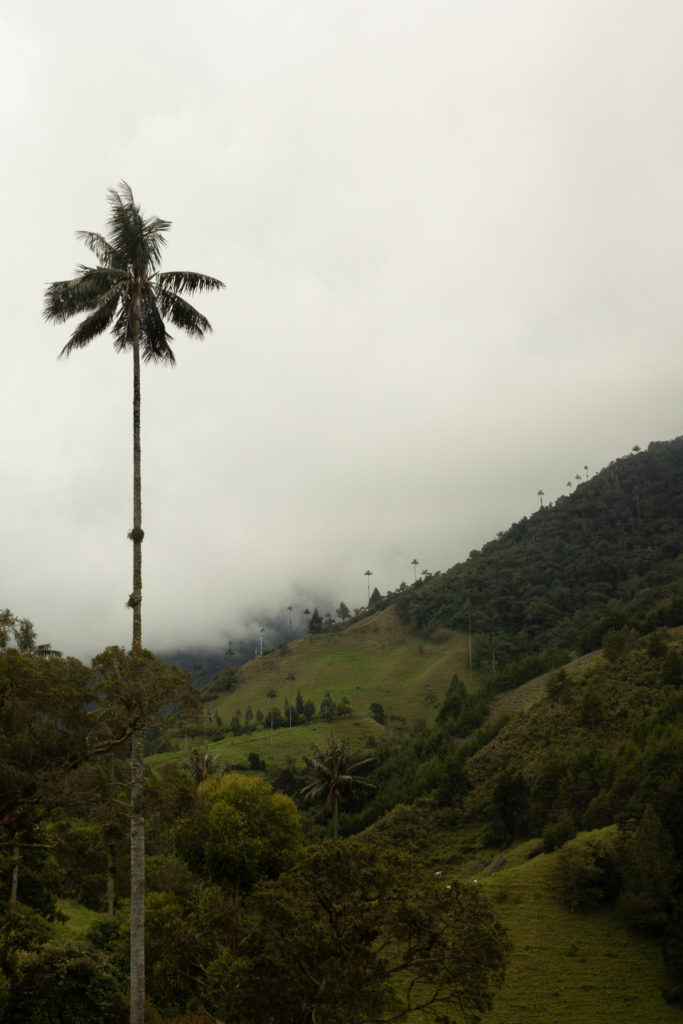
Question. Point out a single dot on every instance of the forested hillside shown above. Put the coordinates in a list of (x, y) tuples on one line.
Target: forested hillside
[(603, 556)]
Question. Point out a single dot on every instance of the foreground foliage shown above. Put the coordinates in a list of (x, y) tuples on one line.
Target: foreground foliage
[(358, 933)]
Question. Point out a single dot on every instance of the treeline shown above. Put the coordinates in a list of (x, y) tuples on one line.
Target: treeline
[(301, 711)]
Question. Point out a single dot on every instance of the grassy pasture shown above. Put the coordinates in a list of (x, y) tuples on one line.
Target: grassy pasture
[(78, 920), (570, 968), (376, 660)]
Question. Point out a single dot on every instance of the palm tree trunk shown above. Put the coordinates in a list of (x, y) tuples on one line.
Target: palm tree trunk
[(137, 820), (137, 534), (111, 878), (110, 835), (137, 882), (14, 892)]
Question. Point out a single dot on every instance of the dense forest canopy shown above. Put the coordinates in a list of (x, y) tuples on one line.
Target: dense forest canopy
[(612, 548)]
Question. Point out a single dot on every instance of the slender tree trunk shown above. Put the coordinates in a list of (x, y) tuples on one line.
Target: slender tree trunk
[(110, 835), (137, 882), (136, 533), (111, 878), (137, 820), (14, 892)]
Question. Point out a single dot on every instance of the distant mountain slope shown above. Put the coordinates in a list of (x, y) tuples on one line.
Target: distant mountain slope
[(612, 547)]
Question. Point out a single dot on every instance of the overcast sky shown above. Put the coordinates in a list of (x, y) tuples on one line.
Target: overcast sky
[(452, 238)]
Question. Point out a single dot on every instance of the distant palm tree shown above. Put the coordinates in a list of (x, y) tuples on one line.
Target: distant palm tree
[(540, 495), (415, 564), (333, 777), (127, 294), (368, 573), (271, 695)]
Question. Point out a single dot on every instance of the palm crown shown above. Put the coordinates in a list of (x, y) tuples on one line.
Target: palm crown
[(126, 292), (334, 774)]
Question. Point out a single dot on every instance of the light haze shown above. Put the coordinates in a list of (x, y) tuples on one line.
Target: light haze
[(452, 236)]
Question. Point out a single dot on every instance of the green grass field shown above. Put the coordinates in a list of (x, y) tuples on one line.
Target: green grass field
[(376, 660), (78, 920), (570, 968)]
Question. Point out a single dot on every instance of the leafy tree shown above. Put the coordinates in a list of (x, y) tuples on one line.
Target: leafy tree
[(343, 612), (241, 832), (187, 928), (672, 669), (355, 934), (454, 700), (327, 708), (378, 713), (7, 622), (66, 984), (650, 873), (334, 774), (45, 729), (46, 733), (586, 873), (315, 623), (25, 636), (511, 800), (308, 710)]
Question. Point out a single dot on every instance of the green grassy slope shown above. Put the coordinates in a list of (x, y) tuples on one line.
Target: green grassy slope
[(570, 968), (375, 660)]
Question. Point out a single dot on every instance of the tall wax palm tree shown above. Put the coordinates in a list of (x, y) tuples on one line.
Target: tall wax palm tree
[(333, 777), (127, 294)]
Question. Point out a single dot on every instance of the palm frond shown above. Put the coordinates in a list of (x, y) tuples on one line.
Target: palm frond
[(187, 282), (98, 246), (122, 330), (136, 239), (153, 233), (93, 325), (182, 314), (64, 299), (154, 338)]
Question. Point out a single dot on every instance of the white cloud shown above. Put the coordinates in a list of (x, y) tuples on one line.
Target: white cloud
[(452, 240)]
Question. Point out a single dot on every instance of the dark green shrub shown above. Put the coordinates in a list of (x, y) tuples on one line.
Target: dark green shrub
[(557, 833), (67, 985)]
